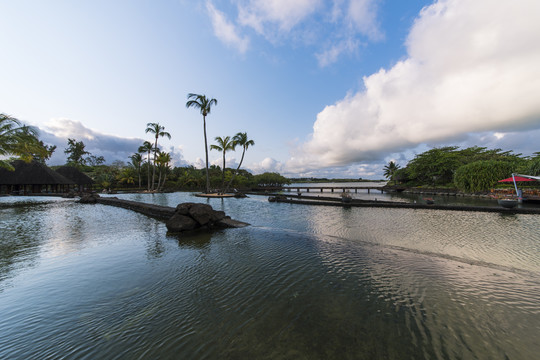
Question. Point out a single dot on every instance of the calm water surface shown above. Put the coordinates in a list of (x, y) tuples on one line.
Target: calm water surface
[(302, 282)]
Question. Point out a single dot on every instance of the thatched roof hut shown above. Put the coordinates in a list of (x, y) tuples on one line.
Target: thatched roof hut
[(33, 174), (75, 175)]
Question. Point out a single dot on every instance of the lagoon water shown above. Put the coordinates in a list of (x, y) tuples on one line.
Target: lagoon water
[(302, 282)]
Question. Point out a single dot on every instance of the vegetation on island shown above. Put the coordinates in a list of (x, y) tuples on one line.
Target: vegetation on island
[(473, 169)]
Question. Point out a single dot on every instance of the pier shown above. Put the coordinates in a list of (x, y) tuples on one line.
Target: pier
[(321, 189)]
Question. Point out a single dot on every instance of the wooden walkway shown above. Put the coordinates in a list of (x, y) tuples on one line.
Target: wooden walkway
[(321, 188)]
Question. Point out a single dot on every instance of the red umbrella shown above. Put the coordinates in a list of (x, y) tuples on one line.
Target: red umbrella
[(518, 178)]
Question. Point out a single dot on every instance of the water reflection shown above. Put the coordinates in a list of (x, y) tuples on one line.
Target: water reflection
[(93, 281)]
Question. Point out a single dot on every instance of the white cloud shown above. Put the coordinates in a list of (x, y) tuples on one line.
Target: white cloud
[(472, 67), (331, 55), (362, 15), (285, 14), (225, 30), (333, 26), (66, 128), (266, 165)]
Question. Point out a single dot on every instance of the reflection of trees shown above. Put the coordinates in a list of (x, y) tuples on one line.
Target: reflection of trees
[(17, 247), (197, 239)]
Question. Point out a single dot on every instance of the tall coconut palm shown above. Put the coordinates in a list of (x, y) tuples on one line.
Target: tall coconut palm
[(240, 139), (158, 131), (136, 160), (147, 148), (204, 104), (224, 145), (390, 170), (17, 139)]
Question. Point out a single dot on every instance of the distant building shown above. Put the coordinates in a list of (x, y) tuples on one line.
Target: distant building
[(83, 182), (32, 178)]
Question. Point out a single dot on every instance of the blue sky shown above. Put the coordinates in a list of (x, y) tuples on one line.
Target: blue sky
[(334, 88)]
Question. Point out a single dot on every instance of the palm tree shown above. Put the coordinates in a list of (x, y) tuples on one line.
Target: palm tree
[(204, 104), (136, 160), (17, 139), (390, 170), (147, 148), (242, 140), (224, 145), (158, 131), (163, 161)]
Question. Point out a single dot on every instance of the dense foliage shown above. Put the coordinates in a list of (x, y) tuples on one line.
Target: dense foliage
[(20, 141), (472, 169)]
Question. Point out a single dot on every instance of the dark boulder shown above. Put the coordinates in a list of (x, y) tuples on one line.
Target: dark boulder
[(191, 216), (179, 223), (89, 198)]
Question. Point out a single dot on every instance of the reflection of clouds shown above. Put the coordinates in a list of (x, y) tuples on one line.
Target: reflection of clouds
[(468, 237)]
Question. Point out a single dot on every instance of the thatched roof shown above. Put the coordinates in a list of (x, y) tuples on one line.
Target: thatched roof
[(33, 173), (75, 175)]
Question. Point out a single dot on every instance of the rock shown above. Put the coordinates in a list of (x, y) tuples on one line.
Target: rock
[(202, 213), (191, 216), (89, 198), (179, 223), (183, 208)]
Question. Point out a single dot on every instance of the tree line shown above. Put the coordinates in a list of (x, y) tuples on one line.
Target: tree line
[(473, 169), (148, 167)]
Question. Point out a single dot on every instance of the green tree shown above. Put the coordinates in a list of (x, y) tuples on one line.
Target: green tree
[(76, 153), (147, 148), (270, 179), (158, 131), (163, 161), (126, 176), (390, 170), (45, 153), (240, 139), (533, 165), (204, 104), (136, 161), (19, 140), (223, 144), (93, 160), (482, 175)]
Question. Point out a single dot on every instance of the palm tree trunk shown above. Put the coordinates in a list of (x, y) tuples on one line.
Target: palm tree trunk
[(139, 172), (154, 172), (206, 150), (148, 166), (159, 180), (236, 172), (164, 179), (223, 173)]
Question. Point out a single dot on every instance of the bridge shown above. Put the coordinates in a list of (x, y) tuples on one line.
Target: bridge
[(320, 188)]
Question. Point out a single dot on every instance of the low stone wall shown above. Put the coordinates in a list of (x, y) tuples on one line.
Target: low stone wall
[(398, 205), (184, 218), (156, 211)]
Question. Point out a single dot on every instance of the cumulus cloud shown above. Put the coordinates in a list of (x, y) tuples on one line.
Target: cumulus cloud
[(225, 30), (266, 165), (57, 131), (472, 67)]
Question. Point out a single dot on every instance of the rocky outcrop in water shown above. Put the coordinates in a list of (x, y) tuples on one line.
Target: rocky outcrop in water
[(192, 216), (89, 198)]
